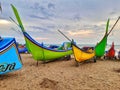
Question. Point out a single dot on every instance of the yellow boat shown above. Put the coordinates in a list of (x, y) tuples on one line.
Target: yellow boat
[(81, 55)]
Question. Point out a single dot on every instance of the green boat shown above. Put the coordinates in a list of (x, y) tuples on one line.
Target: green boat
[(100, 47), (39, 51)]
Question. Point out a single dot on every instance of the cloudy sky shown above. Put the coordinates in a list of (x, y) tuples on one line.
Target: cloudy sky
[(81, 20)]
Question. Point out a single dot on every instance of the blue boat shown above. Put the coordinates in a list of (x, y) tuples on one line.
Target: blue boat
[(10, 59)]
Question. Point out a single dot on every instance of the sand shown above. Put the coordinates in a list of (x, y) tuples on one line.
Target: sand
[(63, 75)]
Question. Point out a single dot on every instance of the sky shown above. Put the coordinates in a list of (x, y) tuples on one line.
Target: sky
[(81, 20)]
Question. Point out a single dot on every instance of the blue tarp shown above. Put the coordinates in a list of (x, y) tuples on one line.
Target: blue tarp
[(22, 50)]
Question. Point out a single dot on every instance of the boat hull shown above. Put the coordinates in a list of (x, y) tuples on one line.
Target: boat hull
[(81, 55), (9, 56)]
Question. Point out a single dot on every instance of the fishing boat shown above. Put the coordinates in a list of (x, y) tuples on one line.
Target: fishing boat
[(39, 51), (110, 53), (9, 57), (100, 47), (81, 55)]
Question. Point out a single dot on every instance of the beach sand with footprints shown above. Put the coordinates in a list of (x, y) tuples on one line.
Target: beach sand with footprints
[(63, 75)]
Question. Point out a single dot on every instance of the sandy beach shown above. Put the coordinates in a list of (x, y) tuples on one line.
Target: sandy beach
[(63, 75)]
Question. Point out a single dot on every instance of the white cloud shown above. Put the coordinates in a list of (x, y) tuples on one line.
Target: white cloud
[(4, 22), (81, 32), (73, 17)]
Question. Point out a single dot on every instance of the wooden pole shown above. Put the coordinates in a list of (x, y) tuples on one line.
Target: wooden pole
[(114, 25), (64, 35)]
